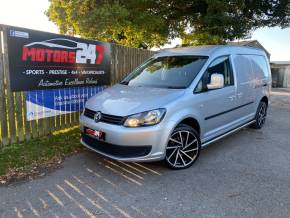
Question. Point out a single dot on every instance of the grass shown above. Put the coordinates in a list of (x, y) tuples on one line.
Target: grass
[(22, 158)]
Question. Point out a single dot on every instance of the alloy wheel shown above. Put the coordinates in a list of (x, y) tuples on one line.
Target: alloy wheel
[(262, 115), (182, 149)]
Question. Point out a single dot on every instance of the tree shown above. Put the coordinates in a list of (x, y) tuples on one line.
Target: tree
[(149, 23)]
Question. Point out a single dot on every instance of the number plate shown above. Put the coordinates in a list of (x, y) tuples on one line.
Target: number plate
[(95, 133)]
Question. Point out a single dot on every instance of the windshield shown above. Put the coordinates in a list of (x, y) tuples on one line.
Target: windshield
[(166, 72)]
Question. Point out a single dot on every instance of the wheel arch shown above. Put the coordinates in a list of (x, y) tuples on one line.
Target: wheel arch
[(192, 122), (265, 99)]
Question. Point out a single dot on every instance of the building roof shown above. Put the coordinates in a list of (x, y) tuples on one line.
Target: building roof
[(251, 43), (280, 62)]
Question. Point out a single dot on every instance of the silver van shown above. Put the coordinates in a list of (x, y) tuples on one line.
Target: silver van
[(177, 102)]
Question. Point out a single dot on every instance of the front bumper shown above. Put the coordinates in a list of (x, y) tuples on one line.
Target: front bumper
[(128, 144)]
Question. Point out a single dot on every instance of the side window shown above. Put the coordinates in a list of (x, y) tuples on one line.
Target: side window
[(220, 65)]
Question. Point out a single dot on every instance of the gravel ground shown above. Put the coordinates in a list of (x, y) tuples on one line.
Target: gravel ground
[(244, 175)]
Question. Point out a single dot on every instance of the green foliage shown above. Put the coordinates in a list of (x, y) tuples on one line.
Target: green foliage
[(148, 23), (24, 157)]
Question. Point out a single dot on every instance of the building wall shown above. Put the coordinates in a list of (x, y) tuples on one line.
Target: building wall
[(280, 76)]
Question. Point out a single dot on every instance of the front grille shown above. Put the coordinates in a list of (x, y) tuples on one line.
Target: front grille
[(116, 150), (105, 118), (89, 113)]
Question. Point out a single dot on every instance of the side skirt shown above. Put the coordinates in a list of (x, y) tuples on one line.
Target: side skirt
[(226, 134)]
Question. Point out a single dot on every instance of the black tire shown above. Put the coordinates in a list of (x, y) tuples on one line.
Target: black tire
[(260, 117), (183, 148)]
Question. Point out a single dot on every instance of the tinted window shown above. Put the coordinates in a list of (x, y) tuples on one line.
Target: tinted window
[(166, 72)]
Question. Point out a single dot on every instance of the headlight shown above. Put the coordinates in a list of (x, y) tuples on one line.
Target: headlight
[(147, 118)]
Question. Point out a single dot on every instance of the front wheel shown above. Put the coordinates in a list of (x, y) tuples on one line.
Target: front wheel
[(260, 117), (183, 147)]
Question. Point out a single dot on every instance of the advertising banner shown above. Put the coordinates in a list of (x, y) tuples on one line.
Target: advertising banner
[(40, 60), (50, 103)]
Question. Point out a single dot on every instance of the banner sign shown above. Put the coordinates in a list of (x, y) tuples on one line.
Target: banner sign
[(40, 60), (50, 103)]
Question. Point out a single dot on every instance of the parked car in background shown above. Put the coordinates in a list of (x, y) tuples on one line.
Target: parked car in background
[(177, 102)]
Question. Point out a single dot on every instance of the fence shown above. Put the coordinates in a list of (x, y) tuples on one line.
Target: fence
[(13, 124)]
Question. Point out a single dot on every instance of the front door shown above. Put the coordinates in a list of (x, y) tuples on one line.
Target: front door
[(217, 106)]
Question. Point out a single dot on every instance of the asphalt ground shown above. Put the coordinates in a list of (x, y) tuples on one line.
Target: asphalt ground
[(246, 174)]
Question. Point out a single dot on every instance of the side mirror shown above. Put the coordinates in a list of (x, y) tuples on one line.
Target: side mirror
[(216, 81)]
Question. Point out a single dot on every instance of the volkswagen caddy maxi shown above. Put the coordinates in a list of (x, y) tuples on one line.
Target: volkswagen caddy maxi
[(177, 102)]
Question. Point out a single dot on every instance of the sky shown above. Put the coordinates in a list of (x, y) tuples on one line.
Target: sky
[(30, 14)]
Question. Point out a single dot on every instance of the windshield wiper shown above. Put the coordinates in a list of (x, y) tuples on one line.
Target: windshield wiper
[(175, 87), (124, 83)]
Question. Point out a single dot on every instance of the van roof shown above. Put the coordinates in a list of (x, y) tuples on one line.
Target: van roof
[(209, 50)]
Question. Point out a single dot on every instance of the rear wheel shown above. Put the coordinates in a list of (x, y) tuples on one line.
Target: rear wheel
[(183, 147), (260, 117)]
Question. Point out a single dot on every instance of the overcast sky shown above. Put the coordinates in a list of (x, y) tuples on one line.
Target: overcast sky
[(30, 14)]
